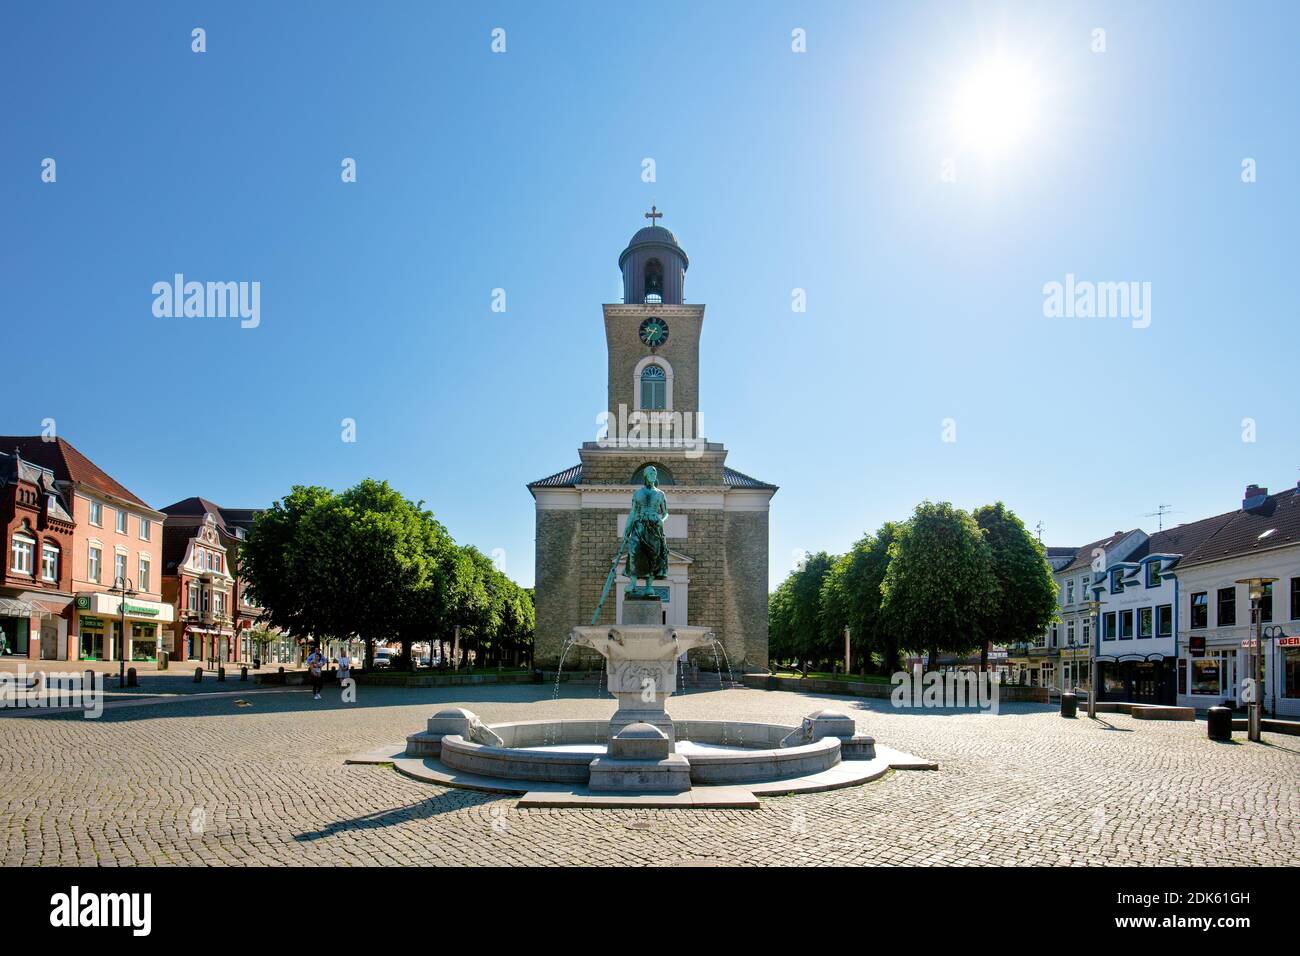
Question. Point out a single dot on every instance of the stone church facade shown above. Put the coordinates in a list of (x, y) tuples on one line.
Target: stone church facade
[(717, 528)]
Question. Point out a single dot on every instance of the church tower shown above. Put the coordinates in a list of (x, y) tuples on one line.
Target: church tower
[(717, 527)]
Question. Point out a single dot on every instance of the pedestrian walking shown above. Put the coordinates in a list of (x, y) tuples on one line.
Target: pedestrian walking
[(316, 667)]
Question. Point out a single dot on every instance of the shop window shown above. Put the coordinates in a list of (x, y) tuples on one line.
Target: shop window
[(1291, 672), (1207, 676), (1227, 605), (1182, 675), (1200, 609)]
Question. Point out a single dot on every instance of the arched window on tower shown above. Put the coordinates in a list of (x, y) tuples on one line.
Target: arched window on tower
[(654, 281), (654, 388)]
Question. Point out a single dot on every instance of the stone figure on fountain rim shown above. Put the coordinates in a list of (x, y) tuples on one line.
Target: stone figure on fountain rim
[(647, 545)]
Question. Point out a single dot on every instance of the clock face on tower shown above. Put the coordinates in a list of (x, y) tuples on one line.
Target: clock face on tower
[(654, 332)]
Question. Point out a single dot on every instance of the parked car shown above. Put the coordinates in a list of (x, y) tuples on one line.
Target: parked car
[(384, 658)]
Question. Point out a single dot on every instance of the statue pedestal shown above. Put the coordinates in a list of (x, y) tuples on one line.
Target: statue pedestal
[(642, 663)]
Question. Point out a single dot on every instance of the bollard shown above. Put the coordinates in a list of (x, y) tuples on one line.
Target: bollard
[(221, 672), (1069, 705), (1219, 724), (257, 663), (243, 673), (163, 660), (89, 682), (280, 679), (198, 675), (131, 680)]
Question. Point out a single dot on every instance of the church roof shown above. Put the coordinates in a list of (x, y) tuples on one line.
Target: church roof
[(653, 236), (573, 476)]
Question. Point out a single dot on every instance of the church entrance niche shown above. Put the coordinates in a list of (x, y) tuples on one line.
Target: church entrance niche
[(665, 476), (654, 281)]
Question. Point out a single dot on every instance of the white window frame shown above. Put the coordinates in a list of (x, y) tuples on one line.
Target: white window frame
[(122, 524), (23, 544), (664, 364), (49, 548), (96, 513), (145, 524), (119, 565), (142, 579), (94, 562)]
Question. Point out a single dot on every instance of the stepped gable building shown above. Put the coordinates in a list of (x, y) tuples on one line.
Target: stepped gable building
[(717, 528)]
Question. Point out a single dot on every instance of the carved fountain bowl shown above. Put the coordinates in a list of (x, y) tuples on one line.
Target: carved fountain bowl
[(642, 642)]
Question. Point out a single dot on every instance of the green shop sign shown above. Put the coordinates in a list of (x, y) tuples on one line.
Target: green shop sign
[(91, 622), (83, 603), (136, 609)]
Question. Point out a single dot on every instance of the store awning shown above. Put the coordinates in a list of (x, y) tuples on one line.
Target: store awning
[(13, 608)]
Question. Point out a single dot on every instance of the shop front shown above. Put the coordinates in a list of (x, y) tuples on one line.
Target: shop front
[(1284, 664), (109, 629), (1137, 680), (1210, 672)]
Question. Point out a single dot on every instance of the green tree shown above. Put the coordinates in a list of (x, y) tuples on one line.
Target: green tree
[(1028, 590), (940, 586), (851, 597), (801, 631)]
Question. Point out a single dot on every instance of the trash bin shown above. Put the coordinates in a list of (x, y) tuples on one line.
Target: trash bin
[(1219, 723), (1069, 705)]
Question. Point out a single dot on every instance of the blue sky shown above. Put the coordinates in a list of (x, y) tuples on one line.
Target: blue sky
[(777, 170)]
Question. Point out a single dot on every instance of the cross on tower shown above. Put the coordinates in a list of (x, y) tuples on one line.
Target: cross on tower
[(653, 215)]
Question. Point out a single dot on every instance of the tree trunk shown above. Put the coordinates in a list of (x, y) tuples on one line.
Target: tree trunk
[(984, 657), (933, 662), (370, 653)]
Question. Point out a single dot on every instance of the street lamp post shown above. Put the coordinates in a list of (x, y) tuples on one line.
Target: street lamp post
[(1255, 587), (125, 588), (1094, 612)]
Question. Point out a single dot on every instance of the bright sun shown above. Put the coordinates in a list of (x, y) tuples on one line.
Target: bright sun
[(995, 106)]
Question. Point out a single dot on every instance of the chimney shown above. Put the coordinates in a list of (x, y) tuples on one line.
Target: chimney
[(1254, 498)]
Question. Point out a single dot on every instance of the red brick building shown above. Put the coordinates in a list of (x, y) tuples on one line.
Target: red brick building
[(36, 581), (200, 549)]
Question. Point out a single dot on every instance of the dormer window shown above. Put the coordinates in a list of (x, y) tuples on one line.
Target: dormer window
[(1115, 586), (1153, 574)]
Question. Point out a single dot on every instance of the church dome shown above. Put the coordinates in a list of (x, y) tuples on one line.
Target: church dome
[(654, 267)]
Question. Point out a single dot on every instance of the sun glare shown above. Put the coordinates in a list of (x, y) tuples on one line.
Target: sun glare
[(995, 106)]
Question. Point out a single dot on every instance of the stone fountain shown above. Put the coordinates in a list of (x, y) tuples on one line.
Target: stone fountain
[(636, 758)]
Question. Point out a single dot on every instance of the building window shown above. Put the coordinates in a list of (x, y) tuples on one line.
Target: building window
[(198, 557), (121, 521), (93, 560), (1227, 601), (1200, 610), (1266, 604), (1144, 623), (654, 388), (96, 514), (1115, 586), (654, 281), (1165, 620), (216, 562), (143, 583), (119, 568), (1207, 676), (1055, 634), (1069, 633), (1108, 626), (1295, 599), (1126, 625), (1087, 632), (220, 600), (1153, 574), (24, 552), (144, 529), (50, 562), (192, 602), (204, 597)]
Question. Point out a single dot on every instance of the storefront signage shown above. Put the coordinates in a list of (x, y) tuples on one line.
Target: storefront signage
[(1288, 642), (91, 622), (1197, 644), (83, 603), (138, 610)]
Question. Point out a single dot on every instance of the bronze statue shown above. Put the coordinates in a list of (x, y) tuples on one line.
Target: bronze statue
[(647, 548), (643, 541)]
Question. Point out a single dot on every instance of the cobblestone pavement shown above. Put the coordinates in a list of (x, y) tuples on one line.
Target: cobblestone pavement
[(208, 781)]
